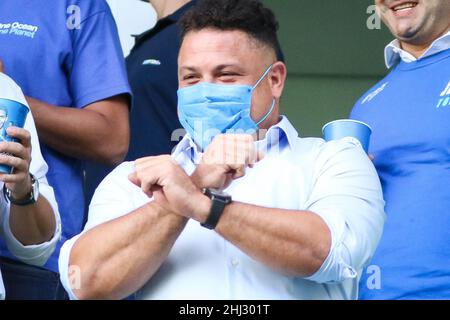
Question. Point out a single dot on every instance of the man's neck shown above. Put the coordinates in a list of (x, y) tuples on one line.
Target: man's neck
[(417, 50), (165, 8)]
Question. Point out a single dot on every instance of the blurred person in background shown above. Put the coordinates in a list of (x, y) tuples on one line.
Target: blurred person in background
[(66, 57), (409, 112), (30, 224)]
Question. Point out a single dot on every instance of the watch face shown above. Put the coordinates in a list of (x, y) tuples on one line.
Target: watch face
[(220, 194)]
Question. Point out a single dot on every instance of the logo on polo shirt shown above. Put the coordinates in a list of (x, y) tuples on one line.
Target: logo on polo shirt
[(152, 62), (374, 93), (18, 29), (444, 99)]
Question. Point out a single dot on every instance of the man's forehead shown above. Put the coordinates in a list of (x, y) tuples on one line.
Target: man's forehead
[(232, 45)]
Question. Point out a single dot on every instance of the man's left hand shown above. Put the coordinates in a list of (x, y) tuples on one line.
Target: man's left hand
[(18, 156), (162, 177)]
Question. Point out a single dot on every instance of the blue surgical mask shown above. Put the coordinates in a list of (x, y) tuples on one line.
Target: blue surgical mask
[(207, 109)]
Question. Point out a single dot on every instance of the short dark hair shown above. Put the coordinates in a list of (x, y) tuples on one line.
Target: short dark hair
[(249, 16)]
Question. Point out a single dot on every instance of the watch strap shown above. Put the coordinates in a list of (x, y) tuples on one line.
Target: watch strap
[(217, 208), (27, 201)]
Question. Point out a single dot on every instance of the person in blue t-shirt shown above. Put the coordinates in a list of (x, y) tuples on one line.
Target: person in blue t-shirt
[(67, 58), (409, 112)]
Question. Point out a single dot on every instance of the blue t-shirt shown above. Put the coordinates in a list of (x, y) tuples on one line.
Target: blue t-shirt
[(409, 112), (66, 53)]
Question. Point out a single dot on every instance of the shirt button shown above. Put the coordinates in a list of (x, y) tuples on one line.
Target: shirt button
[(234, 262)]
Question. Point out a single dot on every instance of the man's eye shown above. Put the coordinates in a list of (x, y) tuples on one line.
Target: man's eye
[(189, 77), (228, 76)]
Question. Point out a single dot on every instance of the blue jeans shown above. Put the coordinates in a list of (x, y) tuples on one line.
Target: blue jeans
[(25, 282)]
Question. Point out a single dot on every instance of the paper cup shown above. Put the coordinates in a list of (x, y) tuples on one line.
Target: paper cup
[(12, 113), (339, 129)]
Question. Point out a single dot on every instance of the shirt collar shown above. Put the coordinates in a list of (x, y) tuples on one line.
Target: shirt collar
[(281, 135), (164, 22), (393, 53), (177, 14)]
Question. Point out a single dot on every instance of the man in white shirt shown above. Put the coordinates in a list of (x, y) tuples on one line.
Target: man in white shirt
[(29, 217), (219, 219)]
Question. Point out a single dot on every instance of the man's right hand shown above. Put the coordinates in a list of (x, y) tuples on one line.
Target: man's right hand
[(225, 160)]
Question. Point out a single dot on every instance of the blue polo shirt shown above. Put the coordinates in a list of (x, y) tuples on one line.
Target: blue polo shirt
[(409, 112), (65, 53)]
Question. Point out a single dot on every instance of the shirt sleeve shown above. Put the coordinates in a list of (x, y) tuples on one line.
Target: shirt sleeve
[(97, 70), (347, 195), (107, 204), (32, 254)]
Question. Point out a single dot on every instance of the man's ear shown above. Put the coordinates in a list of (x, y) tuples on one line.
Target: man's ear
[(277, 78)]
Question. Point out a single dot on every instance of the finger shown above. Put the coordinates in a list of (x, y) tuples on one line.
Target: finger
[(142, 172), (148, 185), (156, 159), (2, 67), (245, 149), (21, 134), (18, 164), (149, 165), (12, 178), (154, 191), (150, 178), (15, 149), (238, 172), (251, 154), (371, 157), (152, 171), (228, 181), (134, 179), (258, 155)]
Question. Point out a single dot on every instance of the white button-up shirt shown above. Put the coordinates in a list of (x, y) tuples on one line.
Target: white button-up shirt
[(33, 254), (393, 51), (335, 180)]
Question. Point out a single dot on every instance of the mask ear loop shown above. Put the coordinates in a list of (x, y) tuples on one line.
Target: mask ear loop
[(267, 114), (273, 100), (262, 77)]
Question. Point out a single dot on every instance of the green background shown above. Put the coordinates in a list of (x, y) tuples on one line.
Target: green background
[(332, 58)]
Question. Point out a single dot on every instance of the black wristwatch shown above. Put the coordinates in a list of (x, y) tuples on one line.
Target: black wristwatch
[(30, 199), (219, 200)]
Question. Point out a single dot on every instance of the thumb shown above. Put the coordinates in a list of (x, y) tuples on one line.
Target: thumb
[(134, 179)]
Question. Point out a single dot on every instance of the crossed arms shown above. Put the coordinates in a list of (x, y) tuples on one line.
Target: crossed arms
[(131, 248)]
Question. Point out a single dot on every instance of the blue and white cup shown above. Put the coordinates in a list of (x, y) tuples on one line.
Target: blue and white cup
[(343, 128), (12, 113)]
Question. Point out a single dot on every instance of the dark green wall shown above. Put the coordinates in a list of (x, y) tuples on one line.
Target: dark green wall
[(331, 55)]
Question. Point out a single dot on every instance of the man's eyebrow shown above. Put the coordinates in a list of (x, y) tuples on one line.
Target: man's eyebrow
[(228, 65), (189, 68), (217, 68)]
